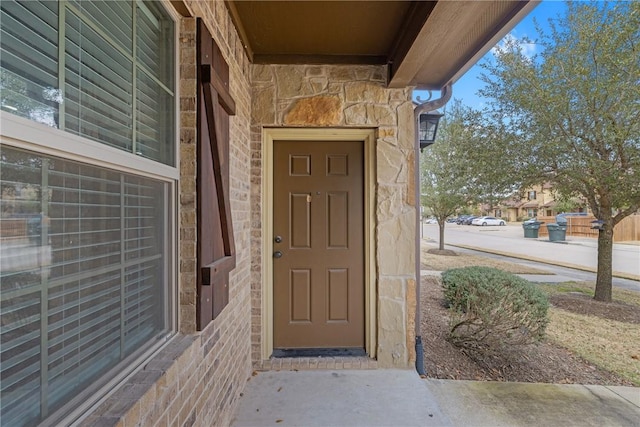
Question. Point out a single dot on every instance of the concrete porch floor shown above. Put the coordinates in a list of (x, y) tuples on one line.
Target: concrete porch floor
[(387, 397)]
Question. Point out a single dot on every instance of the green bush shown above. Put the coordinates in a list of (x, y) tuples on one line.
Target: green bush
[(492, 310)]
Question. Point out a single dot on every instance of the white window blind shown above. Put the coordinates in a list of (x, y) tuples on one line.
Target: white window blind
[(98, 101), (29, 59), (81, 269), (84, 250), (79, 67), (154, 82)]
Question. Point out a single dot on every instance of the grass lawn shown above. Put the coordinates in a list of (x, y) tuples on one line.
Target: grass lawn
[(444, 262), (588, 288), (614, 346), (610, 344)]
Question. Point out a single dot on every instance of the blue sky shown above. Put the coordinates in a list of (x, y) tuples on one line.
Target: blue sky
[(465, 89)]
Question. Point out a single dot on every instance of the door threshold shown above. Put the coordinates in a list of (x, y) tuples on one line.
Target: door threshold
[(317, 362), (318, 352)]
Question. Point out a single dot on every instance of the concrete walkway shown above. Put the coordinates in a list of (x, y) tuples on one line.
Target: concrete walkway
[(387, 397)]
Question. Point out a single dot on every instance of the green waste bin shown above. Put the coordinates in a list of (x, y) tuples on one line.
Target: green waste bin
[(557, 232), (531, 229)]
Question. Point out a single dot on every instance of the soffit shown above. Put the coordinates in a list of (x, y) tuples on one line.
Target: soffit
[(425, 43)]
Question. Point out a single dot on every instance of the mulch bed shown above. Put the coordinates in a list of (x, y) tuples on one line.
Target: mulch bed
[(445, 252), (543, 362), (584, 304)]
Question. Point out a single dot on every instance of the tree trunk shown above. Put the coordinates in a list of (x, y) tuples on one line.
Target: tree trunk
[(441, 227), (605, 262)]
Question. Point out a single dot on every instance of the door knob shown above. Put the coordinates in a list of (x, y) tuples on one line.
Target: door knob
[(278, 239), (277, 254)]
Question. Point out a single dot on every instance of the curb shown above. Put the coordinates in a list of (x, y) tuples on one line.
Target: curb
[(546, 261)]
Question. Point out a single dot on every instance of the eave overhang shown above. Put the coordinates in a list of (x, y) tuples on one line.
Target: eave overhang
[(425, 44)]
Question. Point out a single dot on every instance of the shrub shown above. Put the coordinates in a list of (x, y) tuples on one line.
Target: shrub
[(492, 310)]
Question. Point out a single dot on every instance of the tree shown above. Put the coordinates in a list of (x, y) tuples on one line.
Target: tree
[(469, 164), (443, 176), (486, 154), (574, 112)]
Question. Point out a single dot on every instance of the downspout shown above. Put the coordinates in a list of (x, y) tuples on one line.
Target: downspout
[(425, 107)]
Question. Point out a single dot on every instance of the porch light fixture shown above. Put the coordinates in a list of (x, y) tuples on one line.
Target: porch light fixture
[(428, 127)]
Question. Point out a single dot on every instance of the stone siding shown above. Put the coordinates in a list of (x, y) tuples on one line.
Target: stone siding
[(348, 97), (197, 378)]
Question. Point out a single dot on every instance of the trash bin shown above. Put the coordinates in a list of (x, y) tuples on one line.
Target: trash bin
[(557, 232), (531, 229)]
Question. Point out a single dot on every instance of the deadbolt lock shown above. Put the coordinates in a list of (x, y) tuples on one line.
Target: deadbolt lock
[(278, 239)]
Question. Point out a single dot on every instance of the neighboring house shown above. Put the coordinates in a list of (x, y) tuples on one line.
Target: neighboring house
[(538, 200), (211, 184), (527, 203)]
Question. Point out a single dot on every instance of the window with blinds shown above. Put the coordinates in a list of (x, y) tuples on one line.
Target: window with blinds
[(81, 267), (82, 277), (79, 67), (85, 250)]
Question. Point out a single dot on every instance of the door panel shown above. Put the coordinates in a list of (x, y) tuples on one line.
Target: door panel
[(337, 223), (300, 295), (300, 221), (319, 214), (338, 295)]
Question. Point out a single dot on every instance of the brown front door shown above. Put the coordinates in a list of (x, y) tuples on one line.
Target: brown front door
[(318, 261)]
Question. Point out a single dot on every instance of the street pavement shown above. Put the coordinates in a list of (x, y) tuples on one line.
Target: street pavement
[(576, 253), (554, 273)]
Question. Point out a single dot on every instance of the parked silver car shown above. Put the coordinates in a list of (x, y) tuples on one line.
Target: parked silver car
[(487, 220)]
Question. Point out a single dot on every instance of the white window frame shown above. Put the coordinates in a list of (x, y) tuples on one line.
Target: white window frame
[(20, 132)]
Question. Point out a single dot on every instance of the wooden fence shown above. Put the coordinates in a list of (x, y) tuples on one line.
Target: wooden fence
[(580, 226), (13, 228)]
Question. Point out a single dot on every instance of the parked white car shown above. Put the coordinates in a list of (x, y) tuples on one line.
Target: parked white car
[(487, 220)]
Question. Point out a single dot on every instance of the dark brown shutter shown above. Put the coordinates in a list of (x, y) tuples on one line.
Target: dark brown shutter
[(216, 249)]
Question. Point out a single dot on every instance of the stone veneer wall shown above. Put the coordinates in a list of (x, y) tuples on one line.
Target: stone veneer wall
[(356, 97), (198, 377)]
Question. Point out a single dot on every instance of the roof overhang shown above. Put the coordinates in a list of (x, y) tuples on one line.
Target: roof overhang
[(426, 44), (530, 205)]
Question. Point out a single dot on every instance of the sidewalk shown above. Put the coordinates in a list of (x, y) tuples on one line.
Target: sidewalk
[(388, 397), (543, 257)]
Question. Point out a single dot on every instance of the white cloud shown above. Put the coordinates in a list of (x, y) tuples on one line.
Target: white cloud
[(526, 47)]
